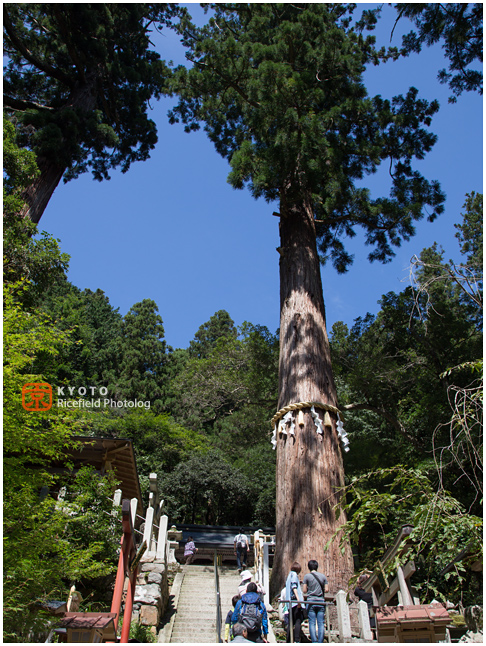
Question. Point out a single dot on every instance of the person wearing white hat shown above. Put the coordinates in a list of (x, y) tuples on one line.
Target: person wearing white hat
[(246, 577)]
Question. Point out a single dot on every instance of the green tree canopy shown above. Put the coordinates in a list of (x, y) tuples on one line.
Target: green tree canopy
[(95, 328), (219, 325), (38, 262), (78, 80), (231, 390), (280, 92), (160, 443), (407, 376), (45, 545), (458, 26), (470, 232), (208, 490), (142, 354)]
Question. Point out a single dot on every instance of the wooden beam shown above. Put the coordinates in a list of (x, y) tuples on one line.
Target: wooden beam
[(394, 587), (378, 579)]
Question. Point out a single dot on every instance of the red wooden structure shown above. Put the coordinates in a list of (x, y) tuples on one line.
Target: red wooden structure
[(127, 568), (413, 624)]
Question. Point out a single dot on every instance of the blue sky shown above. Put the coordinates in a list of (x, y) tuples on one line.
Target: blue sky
[(172, 229)]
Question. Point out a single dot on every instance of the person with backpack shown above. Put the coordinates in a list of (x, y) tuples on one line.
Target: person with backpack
[(241, 549), (315, 586), (251, 612)]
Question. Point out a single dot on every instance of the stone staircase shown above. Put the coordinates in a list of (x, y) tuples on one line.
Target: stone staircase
[(195, 603)]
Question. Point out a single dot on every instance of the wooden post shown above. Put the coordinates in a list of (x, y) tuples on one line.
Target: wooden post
[(127, 550), (119, 582), (256, 556), (404, 591), (127, 615)]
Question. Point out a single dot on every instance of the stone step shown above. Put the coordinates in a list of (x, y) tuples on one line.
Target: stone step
[(185, 600), (184, 615), (197, 598), (195, 619), (209, 585), (206, 610), (194, 638)]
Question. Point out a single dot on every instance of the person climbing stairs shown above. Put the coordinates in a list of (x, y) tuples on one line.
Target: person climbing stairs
[(195, 603)]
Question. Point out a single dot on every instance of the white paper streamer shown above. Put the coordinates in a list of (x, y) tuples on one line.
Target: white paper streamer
[(317, 421), (281, 427), (274, 438), (288, 417), (342, 434)]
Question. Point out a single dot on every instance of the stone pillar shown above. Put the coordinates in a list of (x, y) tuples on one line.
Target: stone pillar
[(364, 622), (162, 539), (174, 537), (266, 577), (149, 522), (344, 621), (133, 509), (117, 498)]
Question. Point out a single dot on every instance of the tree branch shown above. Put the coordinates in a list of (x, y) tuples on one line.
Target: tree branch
[(41, 65), (21, 104)]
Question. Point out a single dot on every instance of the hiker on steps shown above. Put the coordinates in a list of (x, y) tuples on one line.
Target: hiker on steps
[(251, 612), (246, 577), (241, 549), (294, 594), (227, 623), (240, 633), (189, 551), (315, 587)]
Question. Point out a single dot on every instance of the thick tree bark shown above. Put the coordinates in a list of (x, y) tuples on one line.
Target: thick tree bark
[(309, 467), (39, 192)]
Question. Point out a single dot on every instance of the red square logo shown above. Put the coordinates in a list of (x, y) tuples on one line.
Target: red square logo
[(37, 396)]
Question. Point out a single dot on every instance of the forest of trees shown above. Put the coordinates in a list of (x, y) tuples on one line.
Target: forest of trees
[(408, 380)]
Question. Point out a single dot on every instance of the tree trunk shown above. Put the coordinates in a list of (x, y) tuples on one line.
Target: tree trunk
[(309, 466), (39, 192)]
